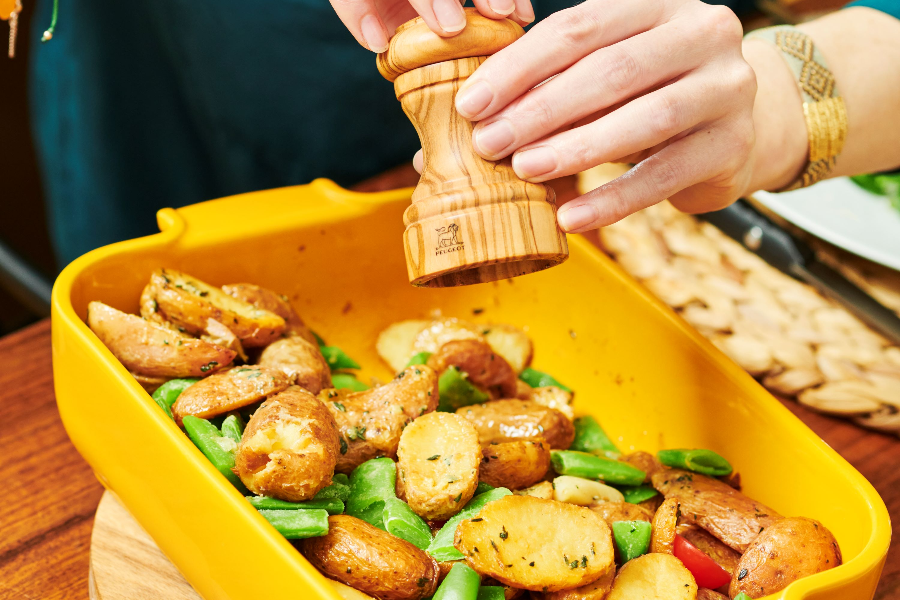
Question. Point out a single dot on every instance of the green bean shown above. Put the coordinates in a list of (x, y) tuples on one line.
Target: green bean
[(742, 596), (482, 488), (461, 583), (491, 592), (337, 359), (698, 460), (166, 394), (332, 505), (298, 524), (536, 378), (441, 547), (371, 483), (590, 437), (346, 381), (635, 494), (401, 521), (337, 490), (233, 427), (341, 478), (632, 538), (455, 391), (419, 359), (318, 337), (590, 466), (214, 446)]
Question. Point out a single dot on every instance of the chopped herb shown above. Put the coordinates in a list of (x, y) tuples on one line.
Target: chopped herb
[(349, 570), (332, 394), (584, 562), (495, 546), (422, 581), (435, 457), (503, 533), (417, 372), (339, 406), (166, 342), (531, 564), (154, 305), (477, 520), (208, 366), (743, 573), (343, 445), (573, 564), (180, 342), (458, 496)]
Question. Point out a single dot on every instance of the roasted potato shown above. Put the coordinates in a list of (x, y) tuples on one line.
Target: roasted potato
[(395, 343), (437, 461), (227, 391), (711, 546), (584, 492), (554, 397), (788, 550), (216, 333), (372, 421), (348, 593), (147, 348), (542, 490), (266, 299), (613, 512), (707, 594), (512, 343), (301, 361), (597, 590), (188, 302), (485, 368), (665, 521), (716, 506), (289, 448), (437, 333), (371, 560), (653, 577), (508, 420), (150, 310), (510, 541), (644, 461), (514, 465)]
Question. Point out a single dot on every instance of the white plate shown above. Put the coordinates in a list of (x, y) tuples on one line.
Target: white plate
[(841, 212)]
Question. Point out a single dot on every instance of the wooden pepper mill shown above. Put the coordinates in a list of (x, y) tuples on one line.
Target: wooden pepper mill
[(471, 220)]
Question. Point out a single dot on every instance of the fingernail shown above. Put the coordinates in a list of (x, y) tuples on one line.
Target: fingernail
[(493, 139), (502, 7), (474, 99), (534, 163), (373, 33), (449, 15), (525, 13), (575, 217)]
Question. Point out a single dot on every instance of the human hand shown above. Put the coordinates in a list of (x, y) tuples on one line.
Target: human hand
[(661, 83), (372, 22)]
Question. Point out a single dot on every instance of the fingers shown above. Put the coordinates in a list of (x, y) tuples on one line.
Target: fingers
[(362, 19), (552, 45)]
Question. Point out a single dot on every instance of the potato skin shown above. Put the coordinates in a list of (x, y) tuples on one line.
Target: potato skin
[(438, 459), (515, 465), (437, 333), (653, 577), (229, 390), (266, 299), (507, 535), (598, 590), (371, 560), (542, 490), (153, 350), (301, 361), (716, 506), (512, 343), (485, 368), (708, 594), (508, 420), (788, 550), (644, 461), (289, 447), (613, 512), (665, 521), (553, 397)]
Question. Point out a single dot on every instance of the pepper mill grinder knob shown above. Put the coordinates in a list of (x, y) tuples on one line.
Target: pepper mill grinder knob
[(471, 220)]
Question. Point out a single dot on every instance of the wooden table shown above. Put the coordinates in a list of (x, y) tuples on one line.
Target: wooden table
[(51, 493)]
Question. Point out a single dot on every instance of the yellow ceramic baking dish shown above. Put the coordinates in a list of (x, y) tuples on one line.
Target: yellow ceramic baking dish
[(645, 374)]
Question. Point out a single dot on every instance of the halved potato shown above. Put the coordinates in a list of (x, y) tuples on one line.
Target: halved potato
[(216, 333), (395, 343), (653, 577), (512, 343), (228, 391), (662, 538), (584, 492), (300, 360), (146, 348), (188, 302), (554, 397), (514, 465), (534, 544), (542, 490), (266, 299), (613, 512), (485, 368), (598, 590), (438, 333), (508, 420)]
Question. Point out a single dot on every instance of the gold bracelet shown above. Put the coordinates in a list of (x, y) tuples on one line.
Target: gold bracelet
[(823, 108)]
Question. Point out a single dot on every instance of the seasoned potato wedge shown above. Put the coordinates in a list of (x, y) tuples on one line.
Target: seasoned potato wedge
[(150, 310), (644, 461), (371, 560), (188, 302), (707, 594), (216, 333), (227, 391), (512, 343), (508, 420), (289, 447), (266, 299), (584, 492), (792, 548), (716, 506), (710, 545), (372, 421), (301, 361), (486, 369), (509, 540), (654, 577), (554, 397), (613, 512), (146, 348), (665, 521), (514, 465), (348, 593), (437, 333), (597, 590), (437, 461), (395, 343), (542, 490)]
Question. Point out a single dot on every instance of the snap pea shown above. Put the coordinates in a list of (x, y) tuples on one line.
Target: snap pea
[(341, 478), (401, 521), (441, 547), (419, 359), (536, 378), (332, 505), (742, 596), (590, 437), (298, 524), (337, 359), (632, 538), (482, 488), (233, 427), (461, 583), (346, 381), (590, 466), (697, 460), (371, 483), (455, 391), (491, 592), (214, 447), (338, 490), (635, 494), (166, 394), (318, 337)]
